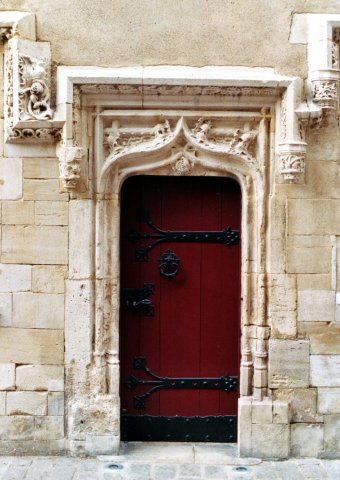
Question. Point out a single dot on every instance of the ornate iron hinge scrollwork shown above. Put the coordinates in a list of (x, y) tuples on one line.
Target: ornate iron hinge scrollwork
[(226, 383), (137, 299), (226, 237)]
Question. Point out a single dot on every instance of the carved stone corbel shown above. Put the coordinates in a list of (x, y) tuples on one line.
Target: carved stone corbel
[(69, 166), (28, 113)]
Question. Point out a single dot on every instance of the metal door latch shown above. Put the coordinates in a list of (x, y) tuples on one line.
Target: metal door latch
[(137, 299)]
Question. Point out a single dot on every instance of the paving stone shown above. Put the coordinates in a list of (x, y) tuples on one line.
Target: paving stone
[(15, 472), (313, 470), (212, 471), (164, 472), (188, 470)]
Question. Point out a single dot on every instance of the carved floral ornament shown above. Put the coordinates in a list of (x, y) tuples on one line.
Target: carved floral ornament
[(120, 141)]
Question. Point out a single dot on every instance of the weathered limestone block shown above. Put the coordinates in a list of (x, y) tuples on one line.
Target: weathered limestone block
[(302, 403), (332, 433), (306, 439), (102, 445), (41, 168), (40, 377), (320, 215), (282, 412), (26, 403), (2, 403), (270, 440), (39, 189), (48, 278), (288, 363), (314, 281), (278, 240), (5, 309), (18, 213), (262, 411), (38, 310), (94, 416), (55, 403), (244, 426), (15, 278), (51, 213), (325, 370), (329, 400), (34, 244), (37, 346), (81, 240), (7, 376), (79, 322), (49, 428), (10, 178), (309, 260), (33, 447), (17, 427), (316, 306), (325, 340), (282, 306)]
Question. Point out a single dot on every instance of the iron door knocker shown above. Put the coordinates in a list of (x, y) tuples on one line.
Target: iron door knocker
[(169, 264)]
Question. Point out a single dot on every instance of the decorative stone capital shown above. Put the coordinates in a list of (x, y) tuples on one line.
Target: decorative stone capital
[(292, 161), (325, 93), (69, 166)]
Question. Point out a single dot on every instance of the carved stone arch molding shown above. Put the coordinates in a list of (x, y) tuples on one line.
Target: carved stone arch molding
[(111, 123)]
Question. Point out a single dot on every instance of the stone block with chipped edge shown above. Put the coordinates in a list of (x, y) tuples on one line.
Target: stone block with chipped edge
[(306, 439), (34, 244), (316, 306), (5, 309), (15, 278), (38, 310), (51, 213), (26, 403), (288, 363), (302, 403), (48, 278), (49, 428), (56, 403), (37, 346), (7, 376), (18, 213), (40, 377), (282, 306), (244, 426)]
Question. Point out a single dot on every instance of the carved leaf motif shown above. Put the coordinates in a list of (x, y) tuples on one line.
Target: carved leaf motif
[(292, 167)]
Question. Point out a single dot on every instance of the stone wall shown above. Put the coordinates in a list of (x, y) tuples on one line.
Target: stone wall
[(59, 264)]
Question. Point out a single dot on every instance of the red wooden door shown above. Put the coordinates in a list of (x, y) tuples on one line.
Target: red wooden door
[(180, 356)]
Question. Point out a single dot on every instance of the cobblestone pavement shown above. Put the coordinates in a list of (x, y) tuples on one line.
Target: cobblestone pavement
[(171, 465)]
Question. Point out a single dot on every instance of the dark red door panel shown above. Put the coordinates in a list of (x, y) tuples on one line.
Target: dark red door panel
[(187, 331)]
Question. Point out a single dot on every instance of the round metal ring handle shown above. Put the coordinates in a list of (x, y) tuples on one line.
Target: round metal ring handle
[(169, 264)]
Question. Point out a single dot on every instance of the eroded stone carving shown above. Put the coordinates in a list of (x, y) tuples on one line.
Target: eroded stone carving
[(183, 159), (69, 166), (292, 167), (34, 92), (120, 140), (325, 93), (222, 140)]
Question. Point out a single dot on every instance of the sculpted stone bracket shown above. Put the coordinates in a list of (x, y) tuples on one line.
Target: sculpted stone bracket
[(28, 112)]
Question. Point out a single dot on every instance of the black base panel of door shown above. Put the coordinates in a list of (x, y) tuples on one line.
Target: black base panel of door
[(179, 429)]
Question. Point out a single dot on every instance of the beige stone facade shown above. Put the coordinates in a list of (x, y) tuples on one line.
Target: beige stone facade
[(259, 105)]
